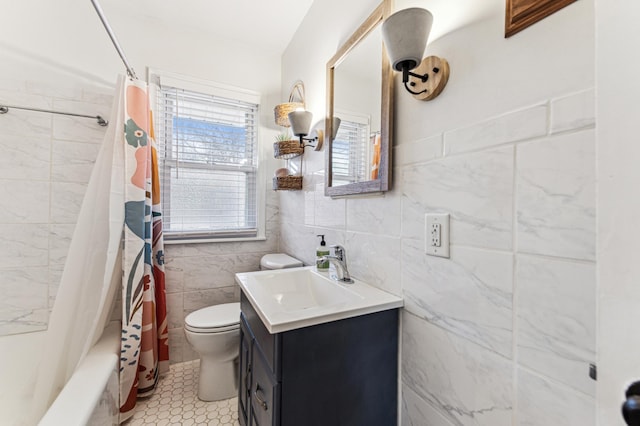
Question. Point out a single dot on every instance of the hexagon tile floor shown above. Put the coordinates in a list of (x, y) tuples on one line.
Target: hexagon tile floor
[(175, 402)]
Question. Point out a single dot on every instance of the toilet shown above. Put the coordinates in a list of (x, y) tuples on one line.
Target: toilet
[(214, 333)]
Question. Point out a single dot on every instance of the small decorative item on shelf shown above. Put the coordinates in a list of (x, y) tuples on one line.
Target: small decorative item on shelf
[(282, 172), (285, 147), (296, 101)]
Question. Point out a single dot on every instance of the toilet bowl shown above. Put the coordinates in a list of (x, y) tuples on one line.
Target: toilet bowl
[(214, 333)]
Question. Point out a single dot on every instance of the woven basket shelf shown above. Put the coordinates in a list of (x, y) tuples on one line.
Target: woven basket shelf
[(287, 149), (296, 101), (281, 112), (287, 183)]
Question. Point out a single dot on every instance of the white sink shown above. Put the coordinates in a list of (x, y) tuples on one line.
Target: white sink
[(287, 299), (298, 289)]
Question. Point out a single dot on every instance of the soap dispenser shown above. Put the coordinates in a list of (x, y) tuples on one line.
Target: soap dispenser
[(321, 251)]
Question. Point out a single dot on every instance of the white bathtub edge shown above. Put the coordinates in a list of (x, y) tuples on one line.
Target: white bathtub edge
[(82, 393)]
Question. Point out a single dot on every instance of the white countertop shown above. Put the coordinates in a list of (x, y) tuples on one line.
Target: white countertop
[(288, 299)]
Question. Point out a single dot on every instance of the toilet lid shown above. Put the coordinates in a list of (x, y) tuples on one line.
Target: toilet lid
[(225, 316), (279, 261)]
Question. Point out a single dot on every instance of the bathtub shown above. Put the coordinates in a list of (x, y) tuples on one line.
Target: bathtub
[(89, 398)]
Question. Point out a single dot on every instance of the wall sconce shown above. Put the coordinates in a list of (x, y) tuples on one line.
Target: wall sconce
[(405, 35), (300, 123)]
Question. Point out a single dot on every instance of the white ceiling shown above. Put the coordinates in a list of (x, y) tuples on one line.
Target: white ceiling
[(265, 24), (270, 24)]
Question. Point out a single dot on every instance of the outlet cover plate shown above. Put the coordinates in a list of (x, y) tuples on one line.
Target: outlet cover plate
[(436, 234)]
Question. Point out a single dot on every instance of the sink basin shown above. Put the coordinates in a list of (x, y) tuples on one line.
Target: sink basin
[(287, 299), (298, 289)]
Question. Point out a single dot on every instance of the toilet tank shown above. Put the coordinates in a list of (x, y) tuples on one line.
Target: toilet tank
[(279, 261)]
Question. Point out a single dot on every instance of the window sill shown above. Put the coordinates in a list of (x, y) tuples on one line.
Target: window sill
[(214, 240)]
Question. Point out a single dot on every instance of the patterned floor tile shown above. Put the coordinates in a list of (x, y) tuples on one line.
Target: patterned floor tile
[(175, 402)]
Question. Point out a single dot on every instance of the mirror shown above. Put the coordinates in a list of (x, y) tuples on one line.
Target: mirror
[(359, 94)]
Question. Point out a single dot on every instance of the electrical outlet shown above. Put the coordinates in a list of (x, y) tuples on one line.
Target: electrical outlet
[(434, 239), (436, 236)]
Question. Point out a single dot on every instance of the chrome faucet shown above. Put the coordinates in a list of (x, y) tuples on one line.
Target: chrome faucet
[(340, 262)]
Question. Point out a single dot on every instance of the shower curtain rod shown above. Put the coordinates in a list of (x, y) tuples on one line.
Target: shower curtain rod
[(114, 40), (101, 121)]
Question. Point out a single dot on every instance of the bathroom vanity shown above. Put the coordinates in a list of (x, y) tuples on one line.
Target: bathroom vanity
[(316, 357), (339, 373)]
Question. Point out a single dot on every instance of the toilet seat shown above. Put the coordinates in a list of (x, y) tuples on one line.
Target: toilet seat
[(212, 330), (214, 319)]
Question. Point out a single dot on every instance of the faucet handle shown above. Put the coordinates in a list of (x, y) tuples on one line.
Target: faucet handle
[(340, 252)]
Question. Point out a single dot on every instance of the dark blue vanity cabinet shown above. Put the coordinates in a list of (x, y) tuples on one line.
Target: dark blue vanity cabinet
[(342, 373)]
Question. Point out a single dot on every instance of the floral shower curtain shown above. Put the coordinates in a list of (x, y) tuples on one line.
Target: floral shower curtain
[(144, 345)]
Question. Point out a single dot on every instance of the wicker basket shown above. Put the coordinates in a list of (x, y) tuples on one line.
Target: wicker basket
[(287, 149), (287, 183), (281, 112)]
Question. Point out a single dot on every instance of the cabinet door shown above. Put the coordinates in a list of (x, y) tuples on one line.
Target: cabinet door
[(269, 343), (244, 381), (265, 390)]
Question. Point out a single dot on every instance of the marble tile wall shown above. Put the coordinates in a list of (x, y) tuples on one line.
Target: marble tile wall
[(44, 170), (503, 332)]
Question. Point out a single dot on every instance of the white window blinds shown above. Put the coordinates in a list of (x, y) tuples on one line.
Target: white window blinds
[(207, 148), (350, 152)]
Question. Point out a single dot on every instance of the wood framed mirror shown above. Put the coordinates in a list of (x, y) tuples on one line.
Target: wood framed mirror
[(523, 13), (360, 95)]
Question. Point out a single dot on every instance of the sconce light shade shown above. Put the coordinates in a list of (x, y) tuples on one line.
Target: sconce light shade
[(335, 125), (300, 122), (405, 35)]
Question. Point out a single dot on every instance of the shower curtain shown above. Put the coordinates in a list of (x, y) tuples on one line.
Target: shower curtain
[(144, 347), (118, 234)]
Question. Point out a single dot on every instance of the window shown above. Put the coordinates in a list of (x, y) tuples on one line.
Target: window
[(350, 160), (208, 160)]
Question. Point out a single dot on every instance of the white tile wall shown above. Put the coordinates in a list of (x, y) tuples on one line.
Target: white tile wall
[(556, 320), (66, 199), (42, 183), (419, 151), (502, 333), (573, 111), (512, 127), (24, 245), (327, 212), (73, 161), (470, 295), (475, 189), (24, 157), (375, 259), (415, 411), (556, 196), (541, 401), (27, 201), (465, 383), (373, 215), (24, 302)]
